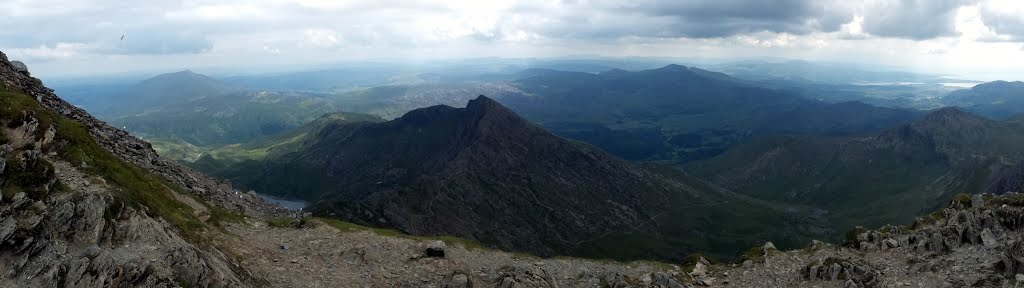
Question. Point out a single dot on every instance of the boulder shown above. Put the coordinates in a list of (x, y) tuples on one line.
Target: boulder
[(890, 243), (988, 239), (977, 200), (20, 67), (458, 281), (769, 245), (833, 272), (436, 249), (700, 269)]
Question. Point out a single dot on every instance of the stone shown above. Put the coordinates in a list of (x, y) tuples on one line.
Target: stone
[(19, 200), (1019, 278), (458, 281), (284, 246), (988, 239), (833, 272), (436, 249), (699, 270), (769, 245), (890, 243), (748, 264), (20, 67), (977, 200)]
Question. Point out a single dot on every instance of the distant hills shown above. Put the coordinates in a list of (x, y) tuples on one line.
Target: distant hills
[(831, 73), (184, 109), (998, 99), (680, 114), (165, 89), (484, 173), (886, 177)]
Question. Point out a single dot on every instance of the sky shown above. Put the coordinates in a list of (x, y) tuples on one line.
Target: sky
[(83, 37)]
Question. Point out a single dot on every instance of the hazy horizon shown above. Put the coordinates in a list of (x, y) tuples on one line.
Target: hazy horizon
[(60, 38)]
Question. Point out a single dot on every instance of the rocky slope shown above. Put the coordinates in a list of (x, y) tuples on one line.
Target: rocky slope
[(974, 242)]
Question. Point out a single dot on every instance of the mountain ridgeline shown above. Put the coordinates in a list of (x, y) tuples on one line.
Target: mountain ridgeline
[(680, 114), (484, 173)]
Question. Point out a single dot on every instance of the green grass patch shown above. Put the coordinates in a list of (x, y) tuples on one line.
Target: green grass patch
[(281, 222), (220, 215)]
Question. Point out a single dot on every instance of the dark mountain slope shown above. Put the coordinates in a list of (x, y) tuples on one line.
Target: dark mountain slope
[(680, 113), (482, 172), (1009, 179), (884, 178)]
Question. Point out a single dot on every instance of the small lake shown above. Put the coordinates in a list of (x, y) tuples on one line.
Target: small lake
[(286, 203)]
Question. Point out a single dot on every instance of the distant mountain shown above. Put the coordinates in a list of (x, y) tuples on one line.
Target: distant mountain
[(888, 177), (185, 113), (154, 93), (236, 117), (999, 99), (679, 113), (392, 101), (484, 173), (833, 73)]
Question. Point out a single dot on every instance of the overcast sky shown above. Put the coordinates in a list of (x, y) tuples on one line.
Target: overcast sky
[(66, 37)]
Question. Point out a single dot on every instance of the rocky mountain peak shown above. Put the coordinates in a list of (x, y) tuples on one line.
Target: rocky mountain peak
[(486, 107), (951, 117)]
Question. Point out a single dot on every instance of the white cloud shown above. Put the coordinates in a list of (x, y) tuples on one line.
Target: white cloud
[(55, 52), (899, 32)]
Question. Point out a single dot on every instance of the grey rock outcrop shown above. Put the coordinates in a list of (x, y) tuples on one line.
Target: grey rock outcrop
[(20, 67)]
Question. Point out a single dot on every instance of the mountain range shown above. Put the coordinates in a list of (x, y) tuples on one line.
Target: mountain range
[(680, 114), (483, 173)]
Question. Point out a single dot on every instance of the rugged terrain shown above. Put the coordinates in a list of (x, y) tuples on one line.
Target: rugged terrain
[(484, 173), (86, 205)]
